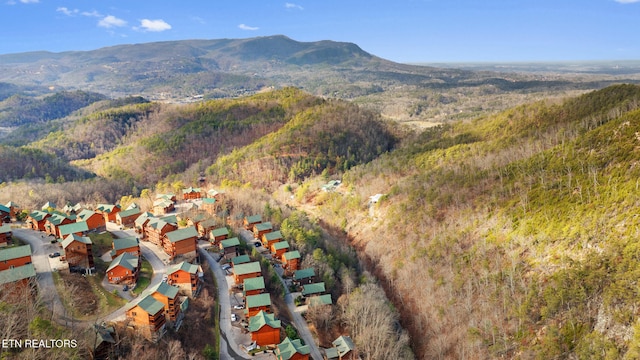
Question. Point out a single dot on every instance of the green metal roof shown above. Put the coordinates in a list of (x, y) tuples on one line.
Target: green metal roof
[(4, 208), (148, 304), (290, 255), (125, 242), (274, 235), (73, 237), (165, 289), (57, 219), (72, 228), (220, 231), (331, 353), (125, 260), (127, 213), (254, 301), (344, 344), (241, 259), (288, 348), (190, 190), (208, 223), (256, 283), (15, 252), (230, 242), (320, 300), (182, 234), (209, 201), (254, 219), (85, 214), (281, 245), (304, 273), (184, 266), (143, 217), (264, 226), (6, 228), (248, 268), (261, 319), (310, 289), (17, 273), (107, 208), (38, 215)]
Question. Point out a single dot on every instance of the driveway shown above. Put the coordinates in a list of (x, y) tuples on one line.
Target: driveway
[(299, 322)]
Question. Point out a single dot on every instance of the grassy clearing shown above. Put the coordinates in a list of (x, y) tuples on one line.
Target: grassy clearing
[(144, 278)]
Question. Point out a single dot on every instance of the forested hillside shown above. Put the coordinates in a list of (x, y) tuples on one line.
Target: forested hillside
[(520, 226), (25, 163)]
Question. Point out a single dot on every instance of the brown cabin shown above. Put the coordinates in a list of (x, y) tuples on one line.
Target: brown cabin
[(53, 223), (127, 218), (205, 227), (265, 329), (5, 235), (157, 229), (261, 229), (217, 235), (15, 257), (147, 317), (291, 261), (37, 219), (77, 251), (250, 221), (108, 211), (182, 242), (124, 269), (270, 238), (94, 220), (186, 276), (191, 193)]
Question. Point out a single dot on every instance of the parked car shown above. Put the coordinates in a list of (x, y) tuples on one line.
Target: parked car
[(165, 277), (125, 288), (234, 317), (226, 267), (54, 255), (257, 244), (238, 307)]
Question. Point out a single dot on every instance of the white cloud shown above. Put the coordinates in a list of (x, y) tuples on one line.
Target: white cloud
[(293, 6), (247, 27), (627, 1), (67, 11), (29, 1), (91, 14), (154, 25), (111, 21)]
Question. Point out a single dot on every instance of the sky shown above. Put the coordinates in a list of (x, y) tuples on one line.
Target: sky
[(408, 31)]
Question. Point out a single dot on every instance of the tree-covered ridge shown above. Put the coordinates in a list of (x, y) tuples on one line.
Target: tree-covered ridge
[(24, 163), (20, 110), (519, 225)]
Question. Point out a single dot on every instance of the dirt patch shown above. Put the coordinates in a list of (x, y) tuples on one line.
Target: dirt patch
[(79, 294)]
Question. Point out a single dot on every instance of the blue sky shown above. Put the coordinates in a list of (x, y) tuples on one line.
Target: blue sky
[(399, 30)]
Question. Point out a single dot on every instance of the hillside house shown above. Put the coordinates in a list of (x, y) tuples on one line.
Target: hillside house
[(169, 197), (129, 244), (264, 328), (14, 257), (320, 300), (14, 209), (253, 286), (250, 221), (209, 205), (292, 350), (163, 206), (217, 235), (215, 194), (157, 228), (194, 219), (279, 248), (261, 229), (53, 223), (246, 271), (5, 235), (48, 206), (182, 242), (205, 227), (270, 238), (229, 247), (187, 277), (72, 209), (257, 303), (124, 269), (5, 214), (141, 222), (108, 211), (77, 251), (77, 228), (291, 261), (304, 276), (18, 281), (147, 317), (168, 296), (127, 218), (191, 193), (95, 221), (343, 349), (37, 219), (242, 259), (313, 289)]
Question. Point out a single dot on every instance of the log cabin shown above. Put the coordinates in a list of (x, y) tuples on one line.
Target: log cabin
[(246, 271), (265, 329), (187, 277), (313, 289), (53, 223), (191, 193), (205, 227), (141, 222), (147, 317), (229, 247), (209, 205), (253, 286), (124, 269), (261, 229), (257, 303), (218, 235), (168, 296), (14, 209), (37, 219), (77, 251), (292, 350), (95, 221), (129, 244), (163, 206), (5, 235), (181, 242), (157, 228), (14, 257), (127, 218), (5, 214), (242, 259), (291, 261), (271, 237), (77, 228), (304, 276), (250, 221), (344, 348), (108, 211), (279, 248)]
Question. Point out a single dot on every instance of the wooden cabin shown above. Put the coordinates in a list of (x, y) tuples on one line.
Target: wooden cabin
[(168, 296), (279, 248), (313, 289), (14, 209), (95, 221), (209, 205), (260, 229), (141, 222), (17, 282), (147, 317), (345, 349), (108, 211), (270, 238), (218, 235), (163, 206), (187, 277), (5, 235), (205, 227), (157, 228), (129, 244), (229, 247), (37, 219), (246, 271), (257, 303), (53, 223), (253, 286), (15, 257), (241, 259), (304, 276), (320, 300), (250, 221), (124, 269), (77, 228), (127, 218), (291, 261), (5, 214), (48, 206), (181, 242), (292, 350), (77, 251), (265, 329), (191, 193)]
